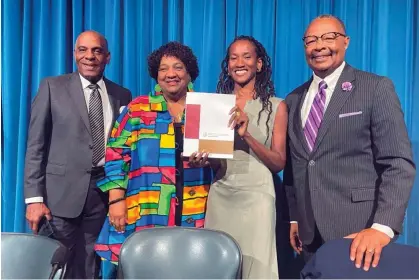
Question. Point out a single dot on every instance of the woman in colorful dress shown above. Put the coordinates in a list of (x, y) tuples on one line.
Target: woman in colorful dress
[(148, 181), (241, 201)]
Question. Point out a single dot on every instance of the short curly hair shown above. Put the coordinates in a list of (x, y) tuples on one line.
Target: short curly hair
[(174, 49)]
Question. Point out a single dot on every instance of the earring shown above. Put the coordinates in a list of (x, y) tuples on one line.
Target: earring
[(190, 86), (157, 88)]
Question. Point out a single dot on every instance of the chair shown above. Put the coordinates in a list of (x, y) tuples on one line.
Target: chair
[(28, 256), (179, 253), (332, 261)]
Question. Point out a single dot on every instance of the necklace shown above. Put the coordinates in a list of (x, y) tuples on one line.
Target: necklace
[(177, 117)]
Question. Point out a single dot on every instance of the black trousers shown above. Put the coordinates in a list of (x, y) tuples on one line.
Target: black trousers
[(79, 234)]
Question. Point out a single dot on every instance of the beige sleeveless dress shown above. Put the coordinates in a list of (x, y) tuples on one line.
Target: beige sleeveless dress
[(241, 200)]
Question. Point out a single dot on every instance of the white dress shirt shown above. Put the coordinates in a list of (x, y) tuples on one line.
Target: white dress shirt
[(331, 82), (106, 106), (107, 118)]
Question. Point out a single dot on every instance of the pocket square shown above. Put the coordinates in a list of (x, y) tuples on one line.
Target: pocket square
[(121, 109), (350, 114)]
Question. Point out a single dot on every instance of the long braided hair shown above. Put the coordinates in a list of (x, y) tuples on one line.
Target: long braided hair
[(264, 87)]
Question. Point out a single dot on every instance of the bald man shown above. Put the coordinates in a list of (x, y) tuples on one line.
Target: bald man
[(71, 119), (349, 169)]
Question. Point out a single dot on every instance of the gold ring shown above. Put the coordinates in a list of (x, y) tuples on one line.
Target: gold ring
[(371, 251), (238, 114)]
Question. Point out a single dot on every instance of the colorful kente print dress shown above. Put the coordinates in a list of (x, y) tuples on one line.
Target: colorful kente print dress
[(143, 156)]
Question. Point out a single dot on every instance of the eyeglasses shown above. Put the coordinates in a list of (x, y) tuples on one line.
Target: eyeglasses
[(328, 38)]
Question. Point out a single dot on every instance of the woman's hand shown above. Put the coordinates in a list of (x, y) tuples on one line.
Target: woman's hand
[(118, 215), (199, 160), (238, 120)]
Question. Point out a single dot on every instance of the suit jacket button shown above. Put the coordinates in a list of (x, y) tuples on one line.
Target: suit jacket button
[(312, 163), (90, 146), (189, 220), (88, 171), (192, 192)]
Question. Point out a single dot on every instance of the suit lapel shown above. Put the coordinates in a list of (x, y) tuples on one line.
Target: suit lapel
[(75, 90), (298, 127), (336, 103)]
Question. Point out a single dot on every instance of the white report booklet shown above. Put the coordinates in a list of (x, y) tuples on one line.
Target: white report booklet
[(206, 124)]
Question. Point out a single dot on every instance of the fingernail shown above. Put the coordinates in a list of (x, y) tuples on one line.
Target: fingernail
[(358, 265), (374, 265), (352, 258), (365, 268)]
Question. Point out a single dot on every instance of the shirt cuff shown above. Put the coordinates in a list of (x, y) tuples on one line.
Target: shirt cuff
[(36, 199), (293, 222), (384, 229)]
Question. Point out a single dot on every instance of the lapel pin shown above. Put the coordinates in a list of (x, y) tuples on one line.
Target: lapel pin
[(346, 86)]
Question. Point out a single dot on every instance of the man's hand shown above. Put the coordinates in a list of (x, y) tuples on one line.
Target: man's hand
[(369, 242), (295, 239), (34, 214)]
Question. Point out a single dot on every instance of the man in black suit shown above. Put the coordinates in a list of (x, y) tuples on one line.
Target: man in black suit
[(71, 118), (349, 169)]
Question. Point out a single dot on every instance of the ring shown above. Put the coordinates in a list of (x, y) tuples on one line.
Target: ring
[(237, 113), (371, 251)]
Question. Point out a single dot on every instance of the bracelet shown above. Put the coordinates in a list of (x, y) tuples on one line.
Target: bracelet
[(116, 200)]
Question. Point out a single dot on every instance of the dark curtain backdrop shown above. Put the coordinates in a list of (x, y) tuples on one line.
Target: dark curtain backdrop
[(38, 38)]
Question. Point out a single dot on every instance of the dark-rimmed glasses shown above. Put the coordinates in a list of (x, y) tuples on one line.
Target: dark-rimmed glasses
[(327, 38)]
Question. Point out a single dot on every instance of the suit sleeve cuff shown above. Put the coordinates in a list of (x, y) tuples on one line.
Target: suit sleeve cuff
[(36, 199), (293, 222), (384, 229)]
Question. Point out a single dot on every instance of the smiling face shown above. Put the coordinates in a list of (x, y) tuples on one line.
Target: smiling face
[(324, 56), (91, 55), (172, 76), (243, 63)]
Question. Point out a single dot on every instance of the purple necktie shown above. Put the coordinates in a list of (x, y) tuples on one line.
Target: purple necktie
[(315, 116)]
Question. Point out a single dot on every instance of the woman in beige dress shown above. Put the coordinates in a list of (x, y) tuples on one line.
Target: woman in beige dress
[(241, 201)]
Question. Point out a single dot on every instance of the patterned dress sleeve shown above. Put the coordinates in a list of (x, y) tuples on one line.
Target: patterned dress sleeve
[(118, 154)]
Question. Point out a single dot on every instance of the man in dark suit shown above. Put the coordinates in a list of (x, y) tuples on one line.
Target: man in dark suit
[(71, 118), (349, 169)]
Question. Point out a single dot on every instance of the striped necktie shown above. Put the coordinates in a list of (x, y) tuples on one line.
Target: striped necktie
[(315, 116), (96, 124)]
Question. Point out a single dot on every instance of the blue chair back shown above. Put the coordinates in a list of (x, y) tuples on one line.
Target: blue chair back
[(179, 253), (26, 256), (332, 261)]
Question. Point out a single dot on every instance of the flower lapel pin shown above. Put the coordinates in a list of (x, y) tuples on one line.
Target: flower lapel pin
[(346, 86)]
